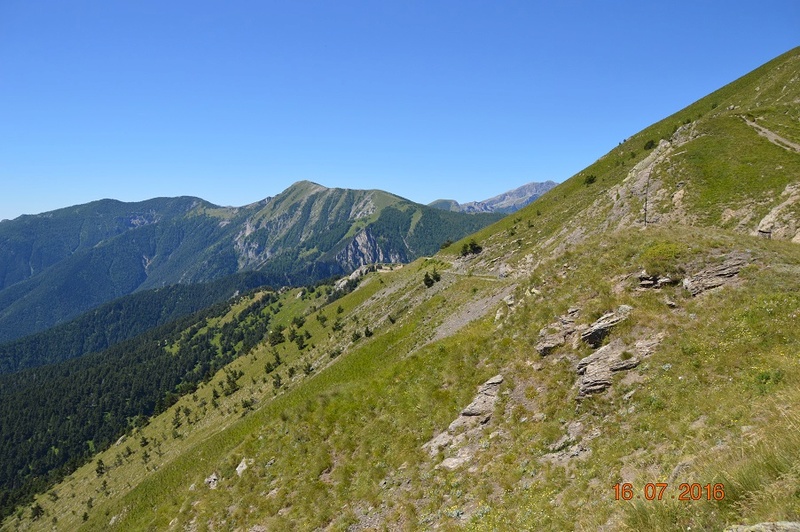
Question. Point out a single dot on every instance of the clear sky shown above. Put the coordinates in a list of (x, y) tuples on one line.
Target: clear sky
[(233, 101)]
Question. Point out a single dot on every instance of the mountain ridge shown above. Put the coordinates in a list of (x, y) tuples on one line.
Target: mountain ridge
[(508, 202), (57, 264)]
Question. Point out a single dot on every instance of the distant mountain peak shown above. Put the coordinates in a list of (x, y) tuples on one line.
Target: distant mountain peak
[(506, 203)]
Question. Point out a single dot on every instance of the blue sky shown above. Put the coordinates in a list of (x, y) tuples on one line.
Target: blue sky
[(234, 101)]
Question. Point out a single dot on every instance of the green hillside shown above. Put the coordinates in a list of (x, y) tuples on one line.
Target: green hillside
[(622, 354)]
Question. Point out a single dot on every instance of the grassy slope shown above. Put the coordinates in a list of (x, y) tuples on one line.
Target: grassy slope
[(715, 403)]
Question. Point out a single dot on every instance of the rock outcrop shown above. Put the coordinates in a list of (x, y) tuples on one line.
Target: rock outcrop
[(597, 369), (599, 329), (655, 281), (475, 415), (716, 276), (557, 333), (365, 249)]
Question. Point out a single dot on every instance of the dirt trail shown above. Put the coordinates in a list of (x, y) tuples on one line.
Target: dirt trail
[(774, 137)]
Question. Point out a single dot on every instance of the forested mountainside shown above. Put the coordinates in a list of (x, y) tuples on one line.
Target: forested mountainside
[(622, 354), (123, 318), (56, 265)]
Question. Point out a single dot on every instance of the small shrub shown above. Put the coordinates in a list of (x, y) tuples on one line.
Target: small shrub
[(589, 179), (471, 248), (36, 511), (766, 379), (650, 144), (662, 259)]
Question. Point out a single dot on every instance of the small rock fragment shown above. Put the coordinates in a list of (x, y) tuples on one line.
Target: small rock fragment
[(212, 481)]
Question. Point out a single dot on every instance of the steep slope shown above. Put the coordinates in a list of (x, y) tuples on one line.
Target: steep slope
[(506, 203), (56, 265), (623, 334)]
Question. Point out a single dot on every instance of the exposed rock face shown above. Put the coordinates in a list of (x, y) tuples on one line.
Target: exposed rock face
[(476, 414), (483, 404), (599, 329), (780, 221), (716, 275), (597, 369), (365, 249)]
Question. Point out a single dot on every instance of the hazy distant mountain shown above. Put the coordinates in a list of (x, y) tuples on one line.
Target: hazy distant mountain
[(55, 265), (505, 203)]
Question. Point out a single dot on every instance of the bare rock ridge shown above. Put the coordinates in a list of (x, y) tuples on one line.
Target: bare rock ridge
[(557, 333)]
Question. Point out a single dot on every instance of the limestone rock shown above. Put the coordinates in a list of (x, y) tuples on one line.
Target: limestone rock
[(599, 329), (483, 404), (778, 526), (564, 328), (212, 481), (716, 275), (655, 281), (597, 369), (476, 414), (242, 467)]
